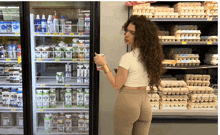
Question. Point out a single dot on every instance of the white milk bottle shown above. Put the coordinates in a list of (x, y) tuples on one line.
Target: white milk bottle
[(79, 73), (81, 123), (86, 73), (68, 123), (20, 98), (74, 97), (52, 98), (55, 120), (87, 122), (46, 99), (86, 98), (68, 98), (39, 99), (19, 119), (6, 96), (80, 96), (47, 123)]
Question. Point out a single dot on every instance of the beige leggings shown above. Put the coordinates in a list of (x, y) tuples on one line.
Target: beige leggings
[(132, 113)]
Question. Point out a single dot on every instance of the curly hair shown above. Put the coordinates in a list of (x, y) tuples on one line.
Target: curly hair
[(151, 51)]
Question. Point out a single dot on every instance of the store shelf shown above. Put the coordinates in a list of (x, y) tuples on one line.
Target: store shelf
[(199, 67), (4, 83), (75, 34), (10, 34), (62, 108), (182, 19), (51, 82), (11, 130), (10, 109), (190, 43), (40, 131), (8, 60), (53, 60)]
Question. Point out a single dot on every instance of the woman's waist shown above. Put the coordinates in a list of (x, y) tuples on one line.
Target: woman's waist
[(135, 88)]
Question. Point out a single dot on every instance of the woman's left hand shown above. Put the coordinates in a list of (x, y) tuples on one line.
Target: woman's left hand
[(99, 60)]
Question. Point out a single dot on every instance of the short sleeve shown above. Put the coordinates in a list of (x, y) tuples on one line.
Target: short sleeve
[(124, 61)]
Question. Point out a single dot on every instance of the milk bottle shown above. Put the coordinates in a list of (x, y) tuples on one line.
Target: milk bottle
[(48, 123), (68, 98), (19, 119), (55, 120), (39, 99), (13, 101), (86, 98), (75, 119), (74, 97), (81, 123), (86, 73), (60, 125), (46, 99), (20, 97), (87, 122), (79, 73), (68, 123), (80, 96), (52, 98)]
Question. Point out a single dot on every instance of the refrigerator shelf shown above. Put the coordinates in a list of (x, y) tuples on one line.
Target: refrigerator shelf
[(53, 60), (11, 130), (183, 19), (74, 34), (8, 60), (190, 43), (10, 34), (10, 109), (4, 83), (193, 67)]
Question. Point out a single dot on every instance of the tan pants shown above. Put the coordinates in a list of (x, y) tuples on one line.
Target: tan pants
[(132, 113)]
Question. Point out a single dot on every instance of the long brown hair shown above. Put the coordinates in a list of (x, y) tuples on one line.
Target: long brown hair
[(151, 51)]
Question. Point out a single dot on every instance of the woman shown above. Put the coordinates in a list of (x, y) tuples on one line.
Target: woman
[(137, 69)]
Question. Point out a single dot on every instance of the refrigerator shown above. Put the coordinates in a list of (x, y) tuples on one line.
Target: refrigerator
[(63, 39), (11, 88)]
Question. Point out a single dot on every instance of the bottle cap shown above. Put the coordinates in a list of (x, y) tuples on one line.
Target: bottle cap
[(49, 17), (19, 46), (43, 16), (38, 17), (62, 17)]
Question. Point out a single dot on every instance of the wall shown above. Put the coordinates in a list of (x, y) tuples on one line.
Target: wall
[(112, 17)]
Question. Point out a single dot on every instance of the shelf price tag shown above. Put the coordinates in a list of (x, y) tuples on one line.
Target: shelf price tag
[(209, 43), (43, 85), (74, 60), (36, 33), (8, 60), (12, 110), (81, 60), (183, 68), (39, 59), (17, 33), (204, 67), (57, 60), (41, 110), (72, 34), (81, 34), (184, 43), (67, 85), (61, 33), (209, 19), (55, 33), (47, 33)]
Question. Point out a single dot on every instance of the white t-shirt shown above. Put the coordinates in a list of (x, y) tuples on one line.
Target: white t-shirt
[(137, 76)]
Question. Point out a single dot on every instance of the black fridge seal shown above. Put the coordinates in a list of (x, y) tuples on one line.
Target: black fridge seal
[(26, 67), (94, 74)]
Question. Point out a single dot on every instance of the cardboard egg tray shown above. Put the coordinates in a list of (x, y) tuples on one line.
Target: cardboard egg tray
[(154, 105), (210, 62), (141, 6), (142, 11), (211, 57), (163, 33), (173, 106), (174, 28), (203, 105), (173, 102), (188, 63), (198, 83), (187, 33), (186, 57), (188, 39), (197, 77), (174, 91), (191, 10), (166, 15), (209, 38), (180, 51), (167, 38), (163, 10), (154, 88), (184, 4), (154, 97), (173, 84), (174, 97), (186, 15), (203, 97), (200, 90)]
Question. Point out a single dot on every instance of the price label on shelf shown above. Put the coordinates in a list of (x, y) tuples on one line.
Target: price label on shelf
[(204, 67), (47, 33), (39, 59), (61, 33), (81, 34), (183, 68), (8, 60), (41, 110), (209, 43), (43, 85), (36, 33), (184, 43), (12, 110), (209, 19), (17, 33), (55, 33), (67, 85), (72, 34), (57, 60), (74, 60), (81, 60)]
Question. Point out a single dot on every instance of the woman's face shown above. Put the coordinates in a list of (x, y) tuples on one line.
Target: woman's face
[(129, 34)]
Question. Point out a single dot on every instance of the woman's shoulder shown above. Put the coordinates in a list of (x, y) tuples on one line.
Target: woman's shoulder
[(127, 54)]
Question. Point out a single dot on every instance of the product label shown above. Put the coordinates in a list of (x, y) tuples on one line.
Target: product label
[(68, 99), (46, 100), (80, 101), (53, 100), (20, 119), (6, 121)]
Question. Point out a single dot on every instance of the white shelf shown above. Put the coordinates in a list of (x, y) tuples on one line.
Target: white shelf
[(73, 34), (10, 109), (4, 83), (11, 130), (53, 60), (193, 67), (8, 60), (10, 34), (189, 43)]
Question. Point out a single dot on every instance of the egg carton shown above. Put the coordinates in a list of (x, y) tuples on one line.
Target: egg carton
[(173, 100), (209, 38), (181, 4), (154, 88), (174, 51), (201, 100), (173, 84), (197, 83), (202, 107), (154, 97), (174, 91), (173, 107), (207, 104), (163, 10), (173, 97), (154, 105), (165, 15), (141, 6), (211, 97), (187, 33), (188, 63), (179, 57), (186, 15), (211, 13), (200, 90), (210, 62), (211, 9), (197, 77), (143, 11), (210, 3), (167, 38), (184, 102), (191, 10), (174, 28), (188, 39), (169, 63), (163, 33)]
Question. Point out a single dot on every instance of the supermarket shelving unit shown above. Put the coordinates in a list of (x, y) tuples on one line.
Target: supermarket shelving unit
[(50, 82), (180, 115)]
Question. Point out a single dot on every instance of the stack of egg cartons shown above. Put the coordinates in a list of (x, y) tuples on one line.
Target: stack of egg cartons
[(174, 94), (211, 9), (187, 33), (211, 59), (184, 57), (209, 38), (164, 12), (189, 10), (201, 96), (143, 9), (154, 98), (164, 36)]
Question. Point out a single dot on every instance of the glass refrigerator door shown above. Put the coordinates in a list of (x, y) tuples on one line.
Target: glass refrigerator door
[(11, 101), (60, 44)]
